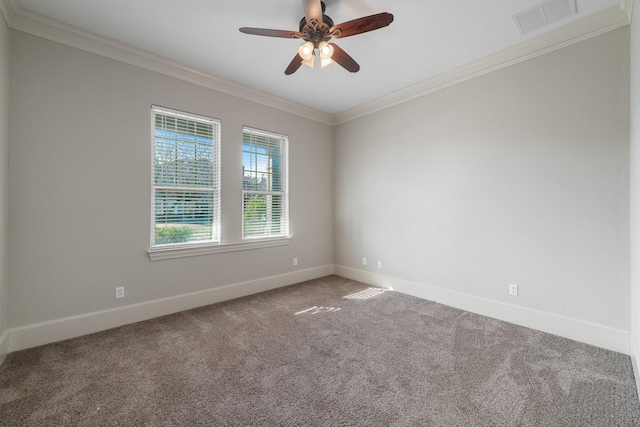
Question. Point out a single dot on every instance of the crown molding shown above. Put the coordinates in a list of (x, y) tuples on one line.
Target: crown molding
[(610, 19), (41, 26), (23, 20)]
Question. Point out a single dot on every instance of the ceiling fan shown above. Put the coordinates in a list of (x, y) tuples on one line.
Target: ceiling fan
[(317, 29)]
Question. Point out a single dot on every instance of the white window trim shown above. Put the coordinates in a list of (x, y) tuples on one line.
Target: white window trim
[(161, 253)]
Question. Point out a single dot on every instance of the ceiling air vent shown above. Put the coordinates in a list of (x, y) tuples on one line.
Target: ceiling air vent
[(543, 14)]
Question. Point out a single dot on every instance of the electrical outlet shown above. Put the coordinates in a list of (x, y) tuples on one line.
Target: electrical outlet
[(364, 261), (379, 264), (513, 290), (295, 261), (120, 292)]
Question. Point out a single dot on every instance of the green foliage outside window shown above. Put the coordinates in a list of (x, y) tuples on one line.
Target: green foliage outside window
[(166, 235), (255, 207)]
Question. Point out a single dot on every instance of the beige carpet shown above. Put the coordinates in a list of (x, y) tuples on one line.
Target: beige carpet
[(327, 352)]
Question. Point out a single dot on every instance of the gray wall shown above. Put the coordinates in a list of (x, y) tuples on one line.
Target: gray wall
[(635, 179), (519, 176), (79, 194), (4, 171)]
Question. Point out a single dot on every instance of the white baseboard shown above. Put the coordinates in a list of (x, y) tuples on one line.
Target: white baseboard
[(578, 330), (635, 354), (29, 336)]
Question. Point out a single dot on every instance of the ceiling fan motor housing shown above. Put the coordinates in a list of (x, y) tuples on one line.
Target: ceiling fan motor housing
[(315, 33)]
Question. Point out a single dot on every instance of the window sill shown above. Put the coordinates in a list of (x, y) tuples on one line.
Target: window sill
[(158, 254)]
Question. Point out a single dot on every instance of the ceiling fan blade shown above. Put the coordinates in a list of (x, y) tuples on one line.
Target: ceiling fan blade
[(294, 65), (271, 33), (343, 58), (362, 25), (312, 11)]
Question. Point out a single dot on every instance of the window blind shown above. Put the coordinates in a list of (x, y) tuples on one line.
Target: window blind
[(265, 184), (186, 178)]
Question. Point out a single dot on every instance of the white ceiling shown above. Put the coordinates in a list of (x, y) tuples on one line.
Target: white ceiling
[(427, 39)]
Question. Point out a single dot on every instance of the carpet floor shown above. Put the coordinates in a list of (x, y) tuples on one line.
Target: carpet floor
[(327, 352)]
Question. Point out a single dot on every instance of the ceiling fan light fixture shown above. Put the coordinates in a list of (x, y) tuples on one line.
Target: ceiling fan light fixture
[(306, 51), (309, 62), (325, 62), (326, 52)]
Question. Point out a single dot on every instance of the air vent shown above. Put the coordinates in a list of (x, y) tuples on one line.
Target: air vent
[(543, 14)]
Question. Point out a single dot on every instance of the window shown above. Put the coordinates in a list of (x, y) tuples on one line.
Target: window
[(265, 184), (186, 178)]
